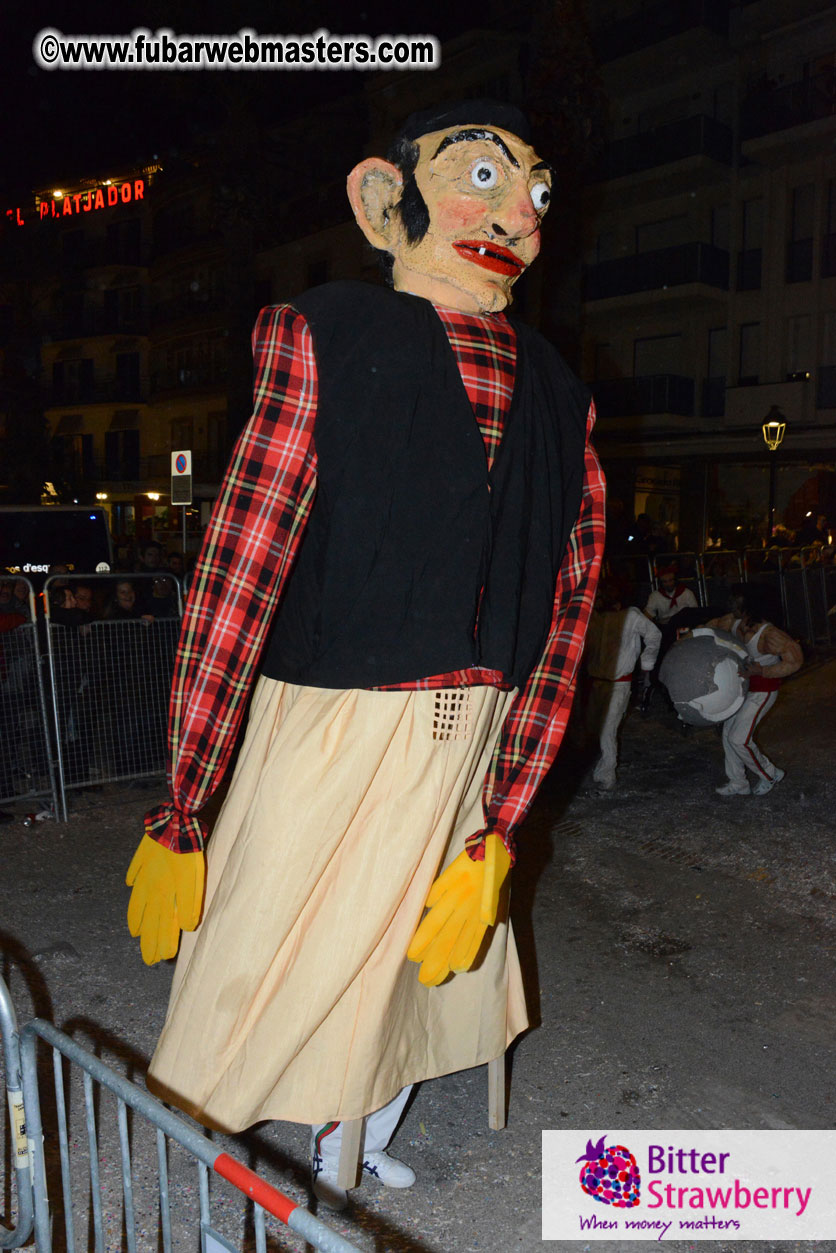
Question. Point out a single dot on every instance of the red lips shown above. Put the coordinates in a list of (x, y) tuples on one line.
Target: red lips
[(490, 256)]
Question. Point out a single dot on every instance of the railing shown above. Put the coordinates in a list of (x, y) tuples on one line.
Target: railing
[(691, 137), (665, 267), (188, 306), (115, 390), (772, 108), (655, 393), (96, 322), (188, 376)]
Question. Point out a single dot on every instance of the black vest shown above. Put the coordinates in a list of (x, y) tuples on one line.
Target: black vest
[(408, 525)]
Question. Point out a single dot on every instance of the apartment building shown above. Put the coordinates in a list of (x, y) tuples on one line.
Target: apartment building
[(709, 299)]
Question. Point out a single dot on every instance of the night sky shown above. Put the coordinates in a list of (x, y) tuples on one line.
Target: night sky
[(58, 125)]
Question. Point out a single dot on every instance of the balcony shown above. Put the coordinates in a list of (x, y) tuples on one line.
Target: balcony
[(91, 322), (650, 394), (691, 137), (662, 269), (106, 391), (188, 306), (654, 22), (771, 109), (177, 378)]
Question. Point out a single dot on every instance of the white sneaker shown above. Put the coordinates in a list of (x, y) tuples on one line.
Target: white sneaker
[(390, 1172), (733, 789), (324, 1178), (766, 785)]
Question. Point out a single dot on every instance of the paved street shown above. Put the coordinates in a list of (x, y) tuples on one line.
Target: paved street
[(683, 978)]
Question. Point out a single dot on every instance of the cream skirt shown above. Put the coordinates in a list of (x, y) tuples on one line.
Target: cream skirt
[(293, 999)]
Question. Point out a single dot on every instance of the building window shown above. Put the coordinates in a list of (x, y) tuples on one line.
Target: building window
[(714, 387), (800, 243), (122, 454), (72, 381), (751, 251), (182, 434), (798, 350), (127, 376), (828, 251), (749, 361)]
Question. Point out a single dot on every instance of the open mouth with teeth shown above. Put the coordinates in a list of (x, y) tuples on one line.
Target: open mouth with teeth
[(490, 256)]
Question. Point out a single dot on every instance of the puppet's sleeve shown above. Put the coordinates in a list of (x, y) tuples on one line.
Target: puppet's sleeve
[(248, 550), (537, 720)]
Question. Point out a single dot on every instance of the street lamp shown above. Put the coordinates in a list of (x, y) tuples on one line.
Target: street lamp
[(773, 432)]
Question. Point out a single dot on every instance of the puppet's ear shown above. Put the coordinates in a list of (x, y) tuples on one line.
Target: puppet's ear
[(374, 189)]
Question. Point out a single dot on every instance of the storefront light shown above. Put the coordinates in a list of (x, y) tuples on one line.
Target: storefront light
[(153, 495)]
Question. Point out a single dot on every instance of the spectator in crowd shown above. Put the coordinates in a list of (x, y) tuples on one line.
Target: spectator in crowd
[(20, 599), (123, 604), (176, 564), (813, 530), (163, 602), (645, 538), (617, 637)]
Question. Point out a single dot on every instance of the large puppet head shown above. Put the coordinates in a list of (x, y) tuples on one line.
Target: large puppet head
[(457, 204)]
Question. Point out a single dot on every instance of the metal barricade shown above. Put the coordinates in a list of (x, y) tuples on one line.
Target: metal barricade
[(720, 569), (106, 1209), (27, 767), (111, 676)]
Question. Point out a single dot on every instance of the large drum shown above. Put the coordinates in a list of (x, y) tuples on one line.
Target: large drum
[(705, 676)]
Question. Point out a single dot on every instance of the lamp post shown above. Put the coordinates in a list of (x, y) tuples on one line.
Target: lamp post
[(773, 430)]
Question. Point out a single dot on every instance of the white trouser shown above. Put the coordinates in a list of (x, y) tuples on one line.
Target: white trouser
[(741, 751), (610, 702), (379, 1129)]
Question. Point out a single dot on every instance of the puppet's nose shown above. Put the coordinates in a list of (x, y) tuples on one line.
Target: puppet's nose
[(517, 218)]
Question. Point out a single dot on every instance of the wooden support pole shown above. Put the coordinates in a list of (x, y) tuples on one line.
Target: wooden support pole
[(496, 1093), (348, 1168)]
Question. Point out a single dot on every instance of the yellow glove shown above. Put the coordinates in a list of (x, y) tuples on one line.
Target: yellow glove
[(167, 897), (462, 904)]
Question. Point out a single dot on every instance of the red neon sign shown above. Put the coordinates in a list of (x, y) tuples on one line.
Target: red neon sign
[(74, 203)]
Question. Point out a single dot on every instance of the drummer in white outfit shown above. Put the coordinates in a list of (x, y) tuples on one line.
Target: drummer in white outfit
[(774, 656)]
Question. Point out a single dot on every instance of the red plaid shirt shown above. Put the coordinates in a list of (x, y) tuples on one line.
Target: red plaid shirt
[(248, 552)]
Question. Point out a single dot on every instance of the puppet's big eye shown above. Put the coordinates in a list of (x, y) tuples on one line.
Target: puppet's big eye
[(540, 195), (484, 174)]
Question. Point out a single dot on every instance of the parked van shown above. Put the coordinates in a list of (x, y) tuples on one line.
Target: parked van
[(33, 538)]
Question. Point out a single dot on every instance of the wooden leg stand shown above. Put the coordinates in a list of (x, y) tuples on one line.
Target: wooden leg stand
[(497, 1094), (348, 1168)]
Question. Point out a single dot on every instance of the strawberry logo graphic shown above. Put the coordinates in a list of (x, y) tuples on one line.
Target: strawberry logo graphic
[(610, 1174)]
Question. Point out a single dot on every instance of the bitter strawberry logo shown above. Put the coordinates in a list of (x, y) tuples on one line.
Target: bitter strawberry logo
[(610, 1174)]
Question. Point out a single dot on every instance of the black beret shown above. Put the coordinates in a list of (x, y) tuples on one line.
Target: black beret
[(467, 113)]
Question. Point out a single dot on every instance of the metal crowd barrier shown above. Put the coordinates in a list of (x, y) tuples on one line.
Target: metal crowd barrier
[(46, 1159), (805, 588), (26, 757), (111, 677), (86, 704)]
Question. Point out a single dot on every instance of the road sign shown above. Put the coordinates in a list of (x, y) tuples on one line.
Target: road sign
[(181, 477)]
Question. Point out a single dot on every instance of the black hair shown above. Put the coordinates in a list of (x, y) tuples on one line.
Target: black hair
[(411, 208)]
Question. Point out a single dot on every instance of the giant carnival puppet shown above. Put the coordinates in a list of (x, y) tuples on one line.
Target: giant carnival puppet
[(395, 583)]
